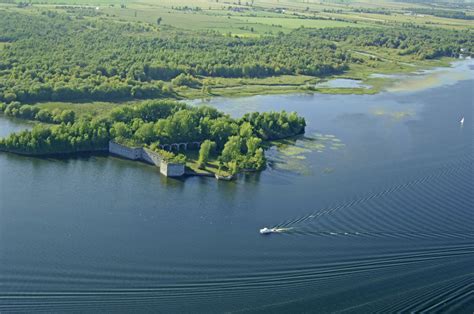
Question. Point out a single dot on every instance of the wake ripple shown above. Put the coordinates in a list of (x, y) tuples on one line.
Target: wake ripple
[(435, 206), (266, 283)]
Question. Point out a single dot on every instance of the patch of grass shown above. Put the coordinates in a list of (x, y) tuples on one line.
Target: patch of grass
[(241, 91), (283, 80), (288, 23), (211, 168)]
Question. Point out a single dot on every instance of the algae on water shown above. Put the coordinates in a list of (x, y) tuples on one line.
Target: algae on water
[(291, 154), (394, 115)]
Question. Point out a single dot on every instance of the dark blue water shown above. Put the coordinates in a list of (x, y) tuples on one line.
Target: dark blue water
[(377, 204)]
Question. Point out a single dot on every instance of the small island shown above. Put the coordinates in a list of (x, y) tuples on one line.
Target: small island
[(180, 139)]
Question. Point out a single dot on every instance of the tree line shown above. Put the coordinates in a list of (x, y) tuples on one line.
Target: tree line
[(419, 42), (17, 110), (80, 136), (450, 14)]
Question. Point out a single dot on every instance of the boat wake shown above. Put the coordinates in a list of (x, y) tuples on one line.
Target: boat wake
[(433, 206)]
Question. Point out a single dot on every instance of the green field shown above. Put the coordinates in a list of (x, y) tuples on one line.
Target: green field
[(261, 17)]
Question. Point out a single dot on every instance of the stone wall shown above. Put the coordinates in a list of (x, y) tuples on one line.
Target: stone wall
[(171, 169), (151, 157), (148, 156), (133, 153)]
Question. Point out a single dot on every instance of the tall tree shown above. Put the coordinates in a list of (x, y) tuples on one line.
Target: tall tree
[(205, 151)]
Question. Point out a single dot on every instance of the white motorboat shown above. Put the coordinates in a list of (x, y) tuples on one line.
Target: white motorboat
[(462, 121), (268, 230), (274, 230)]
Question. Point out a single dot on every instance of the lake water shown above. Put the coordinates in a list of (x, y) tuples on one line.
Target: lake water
[(376, 198)]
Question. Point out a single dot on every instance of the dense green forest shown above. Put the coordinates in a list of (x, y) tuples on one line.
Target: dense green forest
[(237, 142), (58, 139), (61, 57), (112, 60), (422, 43)]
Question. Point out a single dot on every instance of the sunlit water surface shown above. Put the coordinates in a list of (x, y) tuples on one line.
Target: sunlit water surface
[(376, 201)]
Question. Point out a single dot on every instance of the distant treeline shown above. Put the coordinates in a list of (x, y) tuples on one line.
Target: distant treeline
[(441, 3), (422, 43), (58, 57), (442, 13), (373, 11)]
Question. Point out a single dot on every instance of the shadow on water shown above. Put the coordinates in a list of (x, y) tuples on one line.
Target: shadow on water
[(67, 158), (252, 177)]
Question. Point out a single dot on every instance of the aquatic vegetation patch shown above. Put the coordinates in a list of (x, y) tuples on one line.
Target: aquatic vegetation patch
[(394, 115), (328, 170), (295, 151), (294, 165), (431, 78), (292, 154)]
